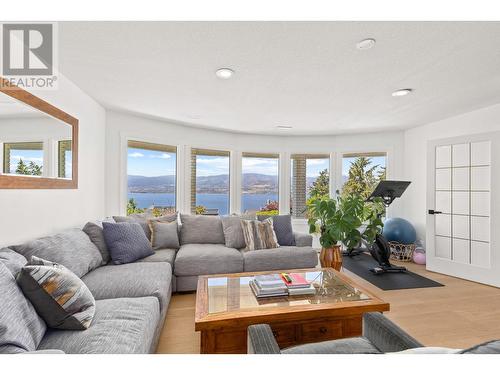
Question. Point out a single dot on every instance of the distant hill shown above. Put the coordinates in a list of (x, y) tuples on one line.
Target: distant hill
[(251, 183)]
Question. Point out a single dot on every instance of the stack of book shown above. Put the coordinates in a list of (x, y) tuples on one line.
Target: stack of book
[(297, 285), (284, 284), (268, 286)]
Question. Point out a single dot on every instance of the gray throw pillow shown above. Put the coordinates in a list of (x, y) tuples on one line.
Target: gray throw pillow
[(126, 242), (282, 225), (71, 248), (141, 219), (233, 233), (488, 347), (12, 260), (21, 329), (164, 235), (58, 295), (96, 235), (201, 229)]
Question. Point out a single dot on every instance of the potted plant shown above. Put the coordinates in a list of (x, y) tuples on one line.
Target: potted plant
[(323, 217), (340, 221)]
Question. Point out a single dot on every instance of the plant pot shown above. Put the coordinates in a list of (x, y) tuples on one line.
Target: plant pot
[(331, 257)]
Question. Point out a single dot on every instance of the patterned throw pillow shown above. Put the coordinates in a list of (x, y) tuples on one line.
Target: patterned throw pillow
[(126, 242), (57, 294), (282, 225), (259, 234)]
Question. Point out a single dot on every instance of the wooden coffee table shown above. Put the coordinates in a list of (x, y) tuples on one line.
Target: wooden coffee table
[(226, 306)]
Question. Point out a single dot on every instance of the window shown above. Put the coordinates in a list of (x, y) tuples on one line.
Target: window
[(64, 161), (209, 182), (259, 184), (23, 158), (151, 177), (362, 172), (310, 177)]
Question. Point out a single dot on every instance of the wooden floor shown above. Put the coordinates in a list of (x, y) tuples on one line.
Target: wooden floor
[(459, 315)]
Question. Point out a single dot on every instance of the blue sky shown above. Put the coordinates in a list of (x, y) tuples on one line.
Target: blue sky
[(156, 163), (376, 160), (150, 163)]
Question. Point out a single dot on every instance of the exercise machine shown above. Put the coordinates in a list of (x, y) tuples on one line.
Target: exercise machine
[(381, 250)]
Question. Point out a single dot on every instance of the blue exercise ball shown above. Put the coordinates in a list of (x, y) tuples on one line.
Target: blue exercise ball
[(399, 230)]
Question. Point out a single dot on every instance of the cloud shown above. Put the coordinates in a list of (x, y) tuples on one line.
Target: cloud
[(161, 156), (318, 161), (25, 158), (135, 155)]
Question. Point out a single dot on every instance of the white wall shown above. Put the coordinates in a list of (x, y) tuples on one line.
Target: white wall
[(27, 214), (415, 156), (123, 126)]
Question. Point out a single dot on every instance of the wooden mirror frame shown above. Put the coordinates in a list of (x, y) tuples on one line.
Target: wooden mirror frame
[(22, 182)]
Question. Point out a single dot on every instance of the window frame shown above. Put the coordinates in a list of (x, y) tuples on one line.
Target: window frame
[(308, 156), (30, 145), (204, 151), (260, 155), (133, 142)]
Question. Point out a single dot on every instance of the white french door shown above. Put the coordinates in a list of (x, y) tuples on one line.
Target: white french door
[(461, 183)]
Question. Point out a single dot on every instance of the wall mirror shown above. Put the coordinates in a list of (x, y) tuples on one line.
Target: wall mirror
[(38, 142)]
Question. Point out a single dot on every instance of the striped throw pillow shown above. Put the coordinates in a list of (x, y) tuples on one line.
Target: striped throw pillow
[(259, 234)]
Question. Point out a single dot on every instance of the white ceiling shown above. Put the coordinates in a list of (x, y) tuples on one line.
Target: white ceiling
[(308, 75)]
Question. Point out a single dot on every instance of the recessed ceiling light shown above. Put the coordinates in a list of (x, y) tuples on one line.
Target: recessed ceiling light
[(224, 73), (284, 127), (402, 92), (366, 43)]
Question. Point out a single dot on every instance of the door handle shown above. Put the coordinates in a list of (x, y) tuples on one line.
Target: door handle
[(432, 212)]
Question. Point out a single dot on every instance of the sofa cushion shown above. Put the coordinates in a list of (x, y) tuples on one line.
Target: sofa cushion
[(71, 248), (201, 229), (120, 326), (233, 232), (164, 234), (207, 259), (162, 255), (21, 329), (126, 242), (285, 257), (96, 235), (355, 345), (12, 260), (57, 294), (131, 280)]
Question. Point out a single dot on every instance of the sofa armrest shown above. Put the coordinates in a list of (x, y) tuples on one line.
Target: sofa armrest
[(303, 239), (261, 340), (386, 335)]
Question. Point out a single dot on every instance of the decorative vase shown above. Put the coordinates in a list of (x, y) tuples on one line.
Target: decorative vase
[(331, 257)]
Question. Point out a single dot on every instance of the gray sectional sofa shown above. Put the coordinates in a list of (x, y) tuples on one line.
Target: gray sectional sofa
[(132, 299)]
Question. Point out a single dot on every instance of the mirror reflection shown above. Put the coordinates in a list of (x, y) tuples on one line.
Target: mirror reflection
[(33, 143)]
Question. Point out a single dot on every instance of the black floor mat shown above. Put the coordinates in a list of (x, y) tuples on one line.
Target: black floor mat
[(361, 265)]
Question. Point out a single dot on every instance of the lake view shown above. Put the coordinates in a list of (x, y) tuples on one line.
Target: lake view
[(250, 202)]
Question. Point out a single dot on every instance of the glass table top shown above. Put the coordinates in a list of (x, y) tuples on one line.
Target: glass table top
[(233, 293)]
